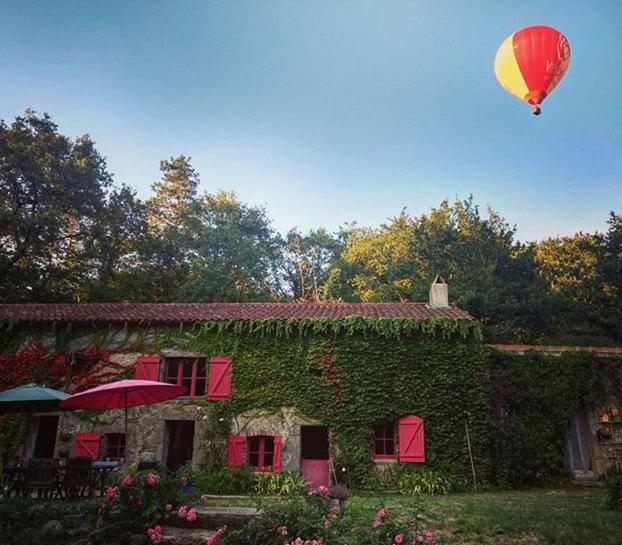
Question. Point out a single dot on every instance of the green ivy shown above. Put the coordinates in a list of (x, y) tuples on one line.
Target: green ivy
[(536, 397), (355, 373)]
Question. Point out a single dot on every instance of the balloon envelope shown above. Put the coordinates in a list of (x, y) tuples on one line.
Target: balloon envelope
[(531, 62)]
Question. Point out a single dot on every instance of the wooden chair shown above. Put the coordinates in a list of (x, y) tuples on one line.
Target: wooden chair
[(77, 483), (41, 478)]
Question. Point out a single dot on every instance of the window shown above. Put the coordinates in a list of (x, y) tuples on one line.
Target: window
[(260, 450), (190, 373), (384, 441), (115, 446)]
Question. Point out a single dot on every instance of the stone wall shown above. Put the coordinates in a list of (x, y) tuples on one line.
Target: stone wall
[(286, 423)]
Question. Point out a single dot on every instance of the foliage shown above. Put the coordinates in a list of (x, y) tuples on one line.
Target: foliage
[(22, 521), (613, 491), (56, 201), (134, 501), (83, 369), (224, 481), (535, 398), (423, 482), (280, 484), (283, 521), (306, 263), (68, 234)]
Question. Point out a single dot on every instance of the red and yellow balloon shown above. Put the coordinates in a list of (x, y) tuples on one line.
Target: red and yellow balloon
[(531, 62)]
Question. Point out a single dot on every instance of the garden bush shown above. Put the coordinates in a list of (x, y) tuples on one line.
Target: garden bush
[(281, 523), (134, 501), (224, 481), (23, 522), (613, 491), (286, 483)]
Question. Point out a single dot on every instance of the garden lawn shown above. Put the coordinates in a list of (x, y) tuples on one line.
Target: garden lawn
[(531, 517), (534, 517)]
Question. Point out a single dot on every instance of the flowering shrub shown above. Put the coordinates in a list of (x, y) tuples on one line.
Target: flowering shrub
[(389, 529), (296, 521), (135, 502), (322, 491)]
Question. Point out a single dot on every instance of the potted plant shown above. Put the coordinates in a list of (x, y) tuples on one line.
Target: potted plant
[(339, 494)]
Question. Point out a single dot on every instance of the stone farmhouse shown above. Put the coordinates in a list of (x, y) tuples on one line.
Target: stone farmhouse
[(319, 389)]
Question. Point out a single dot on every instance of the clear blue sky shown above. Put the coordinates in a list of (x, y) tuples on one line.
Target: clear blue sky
[(327, 112)]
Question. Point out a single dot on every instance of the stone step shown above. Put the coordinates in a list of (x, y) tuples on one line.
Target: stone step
[(215, 517), (586, 479), (185, 536)]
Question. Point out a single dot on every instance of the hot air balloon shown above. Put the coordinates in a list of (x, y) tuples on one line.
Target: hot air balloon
[(531, 62)]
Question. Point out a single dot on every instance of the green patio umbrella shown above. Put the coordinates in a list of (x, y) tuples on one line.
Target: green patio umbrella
[(31, 398)]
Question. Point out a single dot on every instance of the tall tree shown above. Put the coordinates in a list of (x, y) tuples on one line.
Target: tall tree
[(52, 194), (173, 194), (236, 252), (306, 263)]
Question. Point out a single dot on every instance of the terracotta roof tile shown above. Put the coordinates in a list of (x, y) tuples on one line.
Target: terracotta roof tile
[(197, 312)]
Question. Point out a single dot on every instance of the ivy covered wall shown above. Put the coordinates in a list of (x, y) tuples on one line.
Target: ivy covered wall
[(352, 374), (535, 397)]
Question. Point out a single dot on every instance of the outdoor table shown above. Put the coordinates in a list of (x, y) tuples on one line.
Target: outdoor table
[(14, 479)]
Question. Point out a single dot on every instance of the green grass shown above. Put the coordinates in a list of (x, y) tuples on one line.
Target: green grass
[(531, 517), (556, 517)]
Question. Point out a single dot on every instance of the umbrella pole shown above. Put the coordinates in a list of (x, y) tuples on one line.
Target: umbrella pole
[(126, 444)]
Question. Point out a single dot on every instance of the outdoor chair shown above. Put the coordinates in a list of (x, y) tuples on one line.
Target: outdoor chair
[(78, 481), (41, 478)]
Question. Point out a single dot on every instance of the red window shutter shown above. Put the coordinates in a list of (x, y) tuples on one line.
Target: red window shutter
[(235, 451), (276, 460), (87, 444), (219, 385), (412, 439), (147, 368)]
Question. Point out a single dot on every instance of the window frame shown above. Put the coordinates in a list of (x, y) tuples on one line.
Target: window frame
[(119, 446), (261, 466), (179, 377), (385, 438)]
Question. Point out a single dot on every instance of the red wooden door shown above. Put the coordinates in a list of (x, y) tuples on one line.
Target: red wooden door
[(315, 471), (314, 462)]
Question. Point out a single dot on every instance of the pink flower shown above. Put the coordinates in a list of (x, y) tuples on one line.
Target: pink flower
[(168, 507), (182, 512), (376, 524), (429, 538), (382, 513), (399, 538), (111, 492), (153, 478), (282, 530), (184, 480), (155, 534), (192, 515), (127, 480), (203, 499)]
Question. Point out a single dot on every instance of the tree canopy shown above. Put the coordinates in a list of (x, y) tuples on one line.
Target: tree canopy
[(69, 232)]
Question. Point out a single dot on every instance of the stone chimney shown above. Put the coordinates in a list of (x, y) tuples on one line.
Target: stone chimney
[(439, 297)]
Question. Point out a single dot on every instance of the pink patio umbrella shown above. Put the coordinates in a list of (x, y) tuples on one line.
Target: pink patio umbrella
[(123, 394)]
